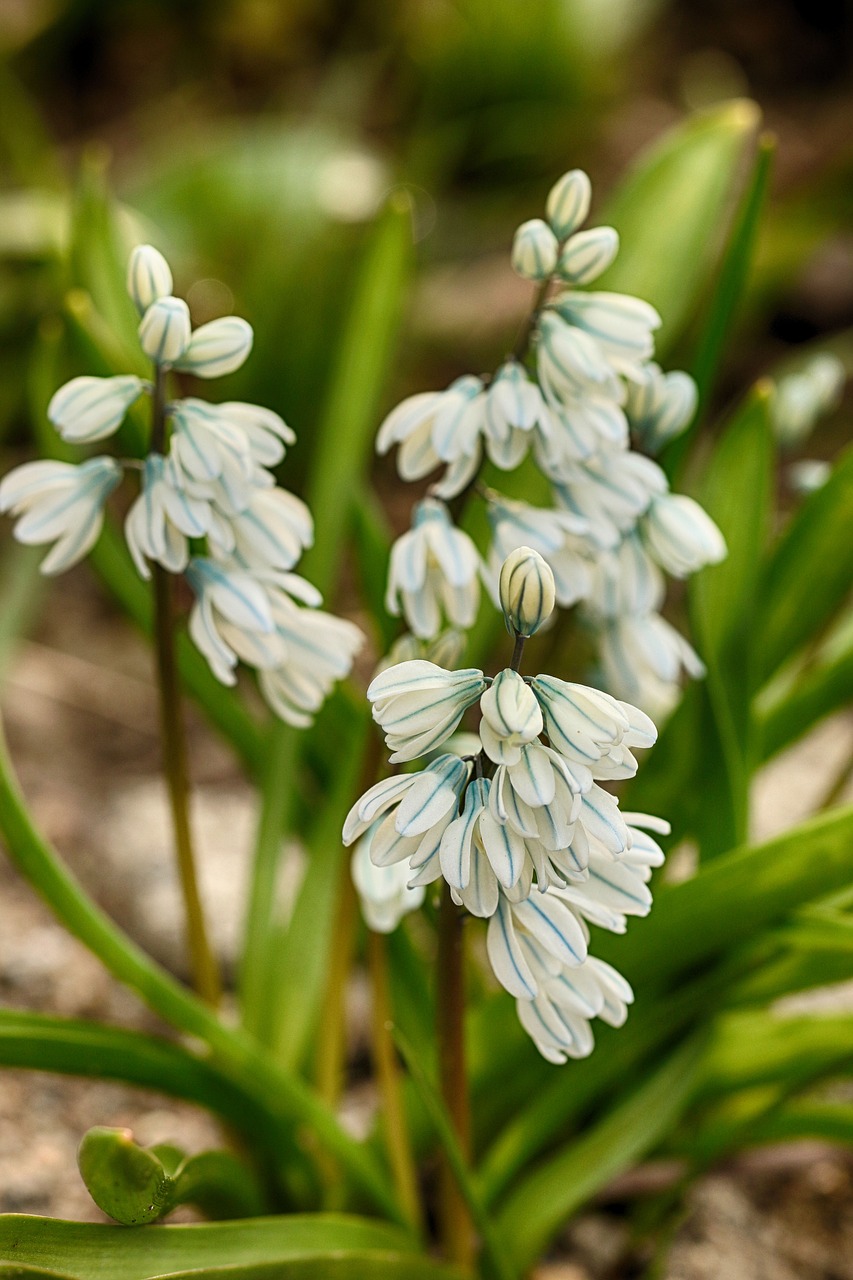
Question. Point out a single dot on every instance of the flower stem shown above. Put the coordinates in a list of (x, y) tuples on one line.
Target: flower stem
[(203, 963), (395, 1126), (455, 1221), (518, 650)]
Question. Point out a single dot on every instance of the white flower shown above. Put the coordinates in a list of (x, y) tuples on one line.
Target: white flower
[(164, 331), (60, 503), (808, 474), (418, 705), (642, 657), (525, 938), (586, 725), (514, 414), (87, 409), (416, 809), (554, 534), (568, 202), (272, 530), (217, 348), (205, 447), (266, 432), (680, 535), (434, 569), (445, 650), (802, 398), (534, 250), (511, 717), (231, 619), (659, 405), (587, 255), (148, 276), (571, 362), (621, 326), (161, 520), (435, 427), (611, 491), (527, 592), (625, 580), (383, 892), (318, 649)]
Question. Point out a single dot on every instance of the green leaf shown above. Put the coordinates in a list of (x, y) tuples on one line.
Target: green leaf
[(546, 1198), (672, 209), (736, 493), (91, 1252), (821, 689), (756, 1048), (808, 575), (731, 279)]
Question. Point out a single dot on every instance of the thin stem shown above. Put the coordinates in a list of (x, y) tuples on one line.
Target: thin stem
[(454, 1219), (519, 351), (203, 963), (518, 650), (396, 1131)]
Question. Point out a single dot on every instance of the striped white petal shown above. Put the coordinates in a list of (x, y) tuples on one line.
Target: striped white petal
[(481, 894), (431, 796), (458, 475), (379, 798), (510, 708), (206, 638), (455, 849), (217, 348), (503, 847), (621, 325), (406, 418), (383, 893), (388, 845), (533, 778), (681, 536), (554, 925), (534, 250), (87, 409), (602, 820), (506, 956), (266, 432), (453, 430)]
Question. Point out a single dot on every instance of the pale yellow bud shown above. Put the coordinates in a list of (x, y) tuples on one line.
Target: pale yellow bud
[(526, 591)]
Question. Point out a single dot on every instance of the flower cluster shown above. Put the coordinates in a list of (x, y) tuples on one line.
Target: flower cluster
[(208, 505), (580, 387), (520, 828)]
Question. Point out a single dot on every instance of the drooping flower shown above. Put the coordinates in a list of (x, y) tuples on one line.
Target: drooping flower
[(162, 519), (89, 409), (60, 503), (217, 348), (231, 619), (680, 535), (384, 893), (434, 571), (436, 427), (419, 705), (659, 405), (556, 535)]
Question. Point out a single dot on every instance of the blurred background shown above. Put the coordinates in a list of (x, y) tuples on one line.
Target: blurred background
[(256, 143)]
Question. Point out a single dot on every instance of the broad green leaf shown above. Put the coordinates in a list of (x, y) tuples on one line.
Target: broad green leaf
[(92, 1252), (540, 1204), (736, 493), (340, 458), (731, 279), (137, 1185), (672, 210), (694, 922), (354, 1264), (808, 575), (809, 1118), (825, 685), (756, 1048)]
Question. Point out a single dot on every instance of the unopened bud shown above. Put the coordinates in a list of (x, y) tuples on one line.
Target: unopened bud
[(534, 250), (218, 348), (148, 276), (568, 202), (164, 332), (588, 254), (527, 591)]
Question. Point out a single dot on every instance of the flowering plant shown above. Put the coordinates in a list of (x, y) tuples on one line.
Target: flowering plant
[(526, 1046)]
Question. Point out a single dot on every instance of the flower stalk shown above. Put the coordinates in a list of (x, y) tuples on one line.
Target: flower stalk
[(455, 1221), (203, 964)]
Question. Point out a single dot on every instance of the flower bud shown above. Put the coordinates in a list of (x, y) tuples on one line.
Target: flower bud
[(527, 591), (534, 250), (586, 255), (218, 348), (164, 331), (568, 202), (87, 409), (148, 277), (510, 708)]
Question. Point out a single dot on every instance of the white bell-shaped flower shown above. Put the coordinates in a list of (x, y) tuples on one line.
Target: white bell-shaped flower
[(659, 405), (317, 649), (680, 535), (60, 503), (568, 202), (231, 619), (217, 348), (801, 399), (621, 326), (434, 427), (419, 705), (587, 255), (556, 535), (511, 717), (625, 580), (515, 413), (164, 331), (273, 530), (206, 447), (534, 250), (88, 409), (642, 657), (265, 431), (148, 277), (434, 571), (162, 519), (384, 894), (584, 724)]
